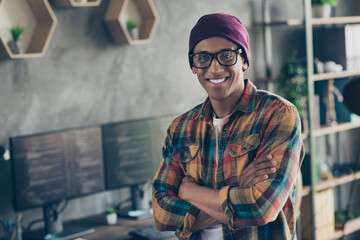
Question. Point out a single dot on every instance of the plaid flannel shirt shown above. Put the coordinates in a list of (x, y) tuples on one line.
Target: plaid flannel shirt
[(262, 123)]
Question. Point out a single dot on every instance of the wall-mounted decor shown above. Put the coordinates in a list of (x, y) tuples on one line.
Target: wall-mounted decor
[(141, 12), (38, 22), (77, 3)]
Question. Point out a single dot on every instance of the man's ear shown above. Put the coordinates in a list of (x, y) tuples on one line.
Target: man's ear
[(244, 65), (194, 70)]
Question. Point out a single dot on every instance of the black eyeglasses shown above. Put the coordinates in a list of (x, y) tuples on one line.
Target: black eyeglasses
[(226, 57)]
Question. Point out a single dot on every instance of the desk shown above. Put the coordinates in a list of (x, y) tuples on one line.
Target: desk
[(119, 231)]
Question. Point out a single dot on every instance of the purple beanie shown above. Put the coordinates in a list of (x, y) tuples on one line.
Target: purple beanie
[(221, 25)]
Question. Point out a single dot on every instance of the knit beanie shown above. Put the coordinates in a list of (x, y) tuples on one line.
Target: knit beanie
[(220, 25)]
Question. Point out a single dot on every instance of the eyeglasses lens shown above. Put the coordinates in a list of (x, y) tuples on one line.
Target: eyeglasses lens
[(225, 58)]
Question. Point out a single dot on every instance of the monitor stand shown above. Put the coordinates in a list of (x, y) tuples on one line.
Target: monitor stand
[(139, 205), (54, 228)]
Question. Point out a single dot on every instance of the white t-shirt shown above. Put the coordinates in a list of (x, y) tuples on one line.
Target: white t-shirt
[(215, 232), (218, 124)]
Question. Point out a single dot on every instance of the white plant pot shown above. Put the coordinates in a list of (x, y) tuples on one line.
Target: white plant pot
[(321, 11), (16, 47), (111, 218), (134, 33)]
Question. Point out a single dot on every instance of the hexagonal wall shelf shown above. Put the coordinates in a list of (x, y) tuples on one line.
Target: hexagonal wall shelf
[(77, 3), (142, 12), (38, 21)]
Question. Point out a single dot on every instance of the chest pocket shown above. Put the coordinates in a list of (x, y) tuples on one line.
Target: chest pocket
[(186, 158), (186, 154), (245, 147)]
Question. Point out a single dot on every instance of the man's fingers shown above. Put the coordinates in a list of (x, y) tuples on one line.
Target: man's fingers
[(266, 164), (258, 179), (253, 166), (265, 171), (257, 171), (257, 161), (259, 164), (262, 159)]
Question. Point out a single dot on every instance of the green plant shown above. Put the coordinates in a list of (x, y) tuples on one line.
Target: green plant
[(292, 83), (16, 32), (130, 24), (110, 210), (323, 2)]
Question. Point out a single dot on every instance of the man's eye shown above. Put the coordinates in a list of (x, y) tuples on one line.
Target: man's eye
[(202, 57), (226, 55)]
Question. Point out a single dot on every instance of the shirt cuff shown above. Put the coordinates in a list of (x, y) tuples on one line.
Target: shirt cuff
[(225, 202), (189, 221)]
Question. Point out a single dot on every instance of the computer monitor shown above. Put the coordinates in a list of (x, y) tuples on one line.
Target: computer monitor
[(132, 153), (51, 167)]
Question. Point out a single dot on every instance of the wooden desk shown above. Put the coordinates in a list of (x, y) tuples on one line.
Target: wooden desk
[(119, 231)]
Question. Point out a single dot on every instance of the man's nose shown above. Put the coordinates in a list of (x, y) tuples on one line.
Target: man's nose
[(215, 66)]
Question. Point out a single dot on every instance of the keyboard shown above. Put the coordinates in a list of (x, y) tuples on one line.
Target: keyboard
[(151, 233)]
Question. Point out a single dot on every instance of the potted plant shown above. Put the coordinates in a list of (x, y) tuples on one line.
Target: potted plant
[(322, 8), (111, 216), (16, 45), (133, 29), (292, 85)]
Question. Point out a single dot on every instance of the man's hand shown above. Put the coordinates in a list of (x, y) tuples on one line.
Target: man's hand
[(204, 198), (203, 221), (187, 184), (257, 171)]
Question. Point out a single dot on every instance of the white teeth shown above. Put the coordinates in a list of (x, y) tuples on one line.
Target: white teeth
[(217, 81)]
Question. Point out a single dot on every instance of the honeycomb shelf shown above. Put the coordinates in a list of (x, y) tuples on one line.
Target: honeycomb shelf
[(77, 3), (38, 21), (142, 12)]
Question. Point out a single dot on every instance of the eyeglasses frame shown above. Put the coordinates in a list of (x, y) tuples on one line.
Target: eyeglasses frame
[(214, 56)]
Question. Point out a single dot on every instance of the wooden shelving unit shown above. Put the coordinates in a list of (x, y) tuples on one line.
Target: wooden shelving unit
[(311, 27), (314, 21), (288, 22), (326, 130), (336, 20), (343, 74), (337, 181), (331, 183), (316, 189), (349, 228), (42, 34), (142, 11), (77, 3)]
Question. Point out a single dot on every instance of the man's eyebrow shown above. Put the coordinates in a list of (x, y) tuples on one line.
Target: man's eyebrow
[(222, 50)]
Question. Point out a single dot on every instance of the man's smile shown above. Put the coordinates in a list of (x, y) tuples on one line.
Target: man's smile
[(216, 81)]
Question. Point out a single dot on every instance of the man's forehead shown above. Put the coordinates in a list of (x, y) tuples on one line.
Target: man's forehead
[(214, 44)]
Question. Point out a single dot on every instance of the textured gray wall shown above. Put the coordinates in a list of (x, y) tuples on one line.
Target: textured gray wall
[(84, 79)]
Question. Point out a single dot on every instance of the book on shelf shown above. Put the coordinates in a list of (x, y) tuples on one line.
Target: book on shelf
[(352, 36)]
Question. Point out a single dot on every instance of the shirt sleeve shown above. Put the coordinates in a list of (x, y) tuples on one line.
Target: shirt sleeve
[(260, 204), (171, 212)]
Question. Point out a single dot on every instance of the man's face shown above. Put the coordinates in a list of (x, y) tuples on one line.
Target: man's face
[(223, 84)]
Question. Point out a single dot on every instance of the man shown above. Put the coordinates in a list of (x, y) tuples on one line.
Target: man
[(229, 165)]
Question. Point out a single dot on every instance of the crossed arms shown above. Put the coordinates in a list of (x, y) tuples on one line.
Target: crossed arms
[(182, 204), (207, 199)]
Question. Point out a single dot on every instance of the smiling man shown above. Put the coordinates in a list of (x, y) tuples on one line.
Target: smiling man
[(229, 164)]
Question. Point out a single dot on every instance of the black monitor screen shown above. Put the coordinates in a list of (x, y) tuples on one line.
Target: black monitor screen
[(132, 150), (54, 166)]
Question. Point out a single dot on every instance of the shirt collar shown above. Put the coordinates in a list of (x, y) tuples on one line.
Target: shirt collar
[(246, 102)]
